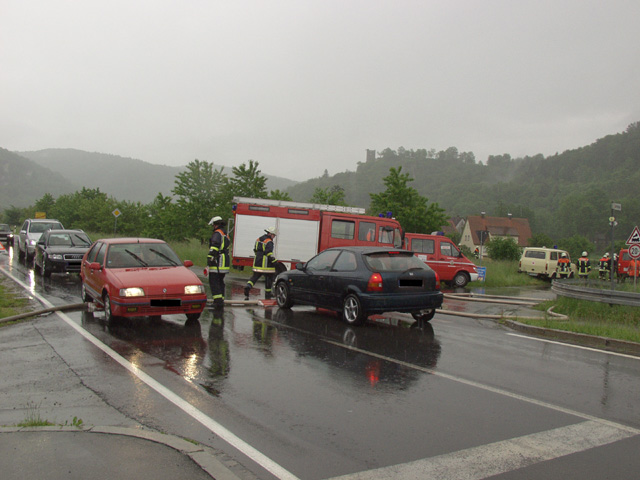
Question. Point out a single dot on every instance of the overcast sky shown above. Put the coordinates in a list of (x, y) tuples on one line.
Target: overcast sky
[(306, 85)]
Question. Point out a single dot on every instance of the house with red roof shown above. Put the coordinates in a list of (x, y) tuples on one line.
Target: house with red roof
[(478, 230)]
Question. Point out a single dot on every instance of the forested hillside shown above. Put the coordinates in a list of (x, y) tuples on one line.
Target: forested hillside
[(23, 181), (122, 178), (562, 195)]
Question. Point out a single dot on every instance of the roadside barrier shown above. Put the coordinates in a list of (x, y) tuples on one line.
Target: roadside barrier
[(573, 289)]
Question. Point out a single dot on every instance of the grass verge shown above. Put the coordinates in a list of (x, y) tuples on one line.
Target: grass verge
[(10, 303), (504, 273), (591, 318)]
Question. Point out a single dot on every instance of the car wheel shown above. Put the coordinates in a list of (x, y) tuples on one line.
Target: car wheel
[(44, 270), (20, 252), (283, 295), (192, 317), (86, 298), (352, 311), (460, 280), (424, 315), (108, 315)]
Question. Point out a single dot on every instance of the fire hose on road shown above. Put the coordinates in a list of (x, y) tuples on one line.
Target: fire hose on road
[(36, 313)]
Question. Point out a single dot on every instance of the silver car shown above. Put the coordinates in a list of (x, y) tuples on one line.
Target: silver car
[(30, 233)]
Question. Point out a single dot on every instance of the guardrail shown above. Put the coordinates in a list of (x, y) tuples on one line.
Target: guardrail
[(581, 292)]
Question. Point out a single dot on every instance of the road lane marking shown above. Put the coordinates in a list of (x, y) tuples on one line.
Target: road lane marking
[(500, 457), (229, 437), (591, 349)]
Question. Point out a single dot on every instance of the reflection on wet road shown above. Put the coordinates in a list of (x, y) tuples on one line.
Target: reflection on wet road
[(323, 399)]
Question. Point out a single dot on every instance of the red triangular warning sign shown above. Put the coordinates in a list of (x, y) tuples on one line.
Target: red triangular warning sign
[(634, 238)]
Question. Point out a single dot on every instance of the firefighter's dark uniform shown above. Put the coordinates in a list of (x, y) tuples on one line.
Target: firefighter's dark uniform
[(218, 261), (604, 267), (584, 267), (563, 267), (264, 263)]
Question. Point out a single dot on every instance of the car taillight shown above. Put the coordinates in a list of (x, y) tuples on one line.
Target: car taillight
[(375, 283), (437, 281)]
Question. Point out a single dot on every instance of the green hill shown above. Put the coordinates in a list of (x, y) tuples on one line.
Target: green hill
[(23, 181), (562, 195)]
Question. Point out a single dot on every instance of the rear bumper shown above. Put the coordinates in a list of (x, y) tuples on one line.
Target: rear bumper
[(380, 303)]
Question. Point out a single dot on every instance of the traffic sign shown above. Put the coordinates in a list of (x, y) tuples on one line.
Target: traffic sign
[(634, 251), (634, 238), (117, 213)]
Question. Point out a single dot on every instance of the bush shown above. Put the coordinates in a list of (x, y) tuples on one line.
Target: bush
[(503, 249)]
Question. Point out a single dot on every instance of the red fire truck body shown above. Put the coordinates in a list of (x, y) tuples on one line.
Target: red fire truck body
[(305, 229)]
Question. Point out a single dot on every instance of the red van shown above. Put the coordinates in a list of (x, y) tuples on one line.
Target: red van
[(441, 254), (623, 263)]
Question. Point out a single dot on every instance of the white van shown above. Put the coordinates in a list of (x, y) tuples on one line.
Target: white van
[(541, 262)]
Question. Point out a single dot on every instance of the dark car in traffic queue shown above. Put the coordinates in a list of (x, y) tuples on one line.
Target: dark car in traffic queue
[(60, 251), (6, 234), (362, 281), (140, 277)]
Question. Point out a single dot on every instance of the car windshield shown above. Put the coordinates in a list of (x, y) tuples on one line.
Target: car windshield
[(69, 239), (4, 227), (132, 255), (394, 262), (39, 227)]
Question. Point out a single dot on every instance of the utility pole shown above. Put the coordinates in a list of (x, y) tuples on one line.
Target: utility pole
[(613, 223)]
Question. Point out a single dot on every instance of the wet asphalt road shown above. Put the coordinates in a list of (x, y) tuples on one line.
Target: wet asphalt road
[(320, 399)]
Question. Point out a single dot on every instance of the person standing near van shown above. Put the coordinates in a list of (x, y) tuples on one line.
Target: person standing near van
[(218, 260), (264, 263), (584, 266), (604, 267), (563, 267)]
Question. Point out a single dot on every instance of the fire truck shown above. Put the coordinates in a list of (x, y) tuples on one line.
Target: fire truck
[(305, 229)]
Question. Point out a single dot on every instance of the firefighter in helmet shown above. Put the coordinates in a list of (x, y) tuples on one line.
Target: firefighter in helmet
[(264, 263), (563, 268), (604, 267), (584, 266), (218, 260)]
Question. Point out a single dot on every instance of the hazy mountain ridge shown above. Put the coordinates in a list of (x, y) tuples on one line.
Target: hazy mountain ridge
[(122, 178), (23, 181)]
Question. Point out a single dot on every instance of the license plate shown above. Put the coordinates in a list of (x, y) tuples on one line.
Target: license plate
[(171, 302)]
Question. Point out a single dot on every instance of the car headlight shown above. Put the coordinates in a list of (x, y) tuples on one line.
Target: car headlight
[(32, 242), (55, 256), (132, 292), (193, 289)]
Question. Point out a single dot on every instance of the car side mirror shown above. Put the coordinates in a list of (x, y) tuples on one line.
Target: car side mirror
[(95, 266), (188, 263), (301, 266)]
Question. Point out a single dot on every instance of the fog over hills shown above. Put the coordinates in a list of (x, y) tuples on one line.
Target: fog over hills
[(59, 171)]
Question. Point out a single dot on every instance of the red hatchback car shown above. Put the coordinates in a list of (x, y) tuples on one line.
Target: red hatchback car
[(137, 277)]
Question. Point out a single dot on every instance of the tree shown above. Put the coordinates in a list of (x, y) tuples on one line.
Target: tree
[(89, 209), (500, 248), (328, 196), (45, 204), (202, 192), (575, 245), (278, 195), (248, 181), (164, 220), (540, 240), (407, 205)]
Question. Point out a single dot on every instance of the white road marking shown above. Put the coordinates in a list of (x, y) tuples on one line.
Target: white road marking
[(591, 349), (501, 457), (189, 409)]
